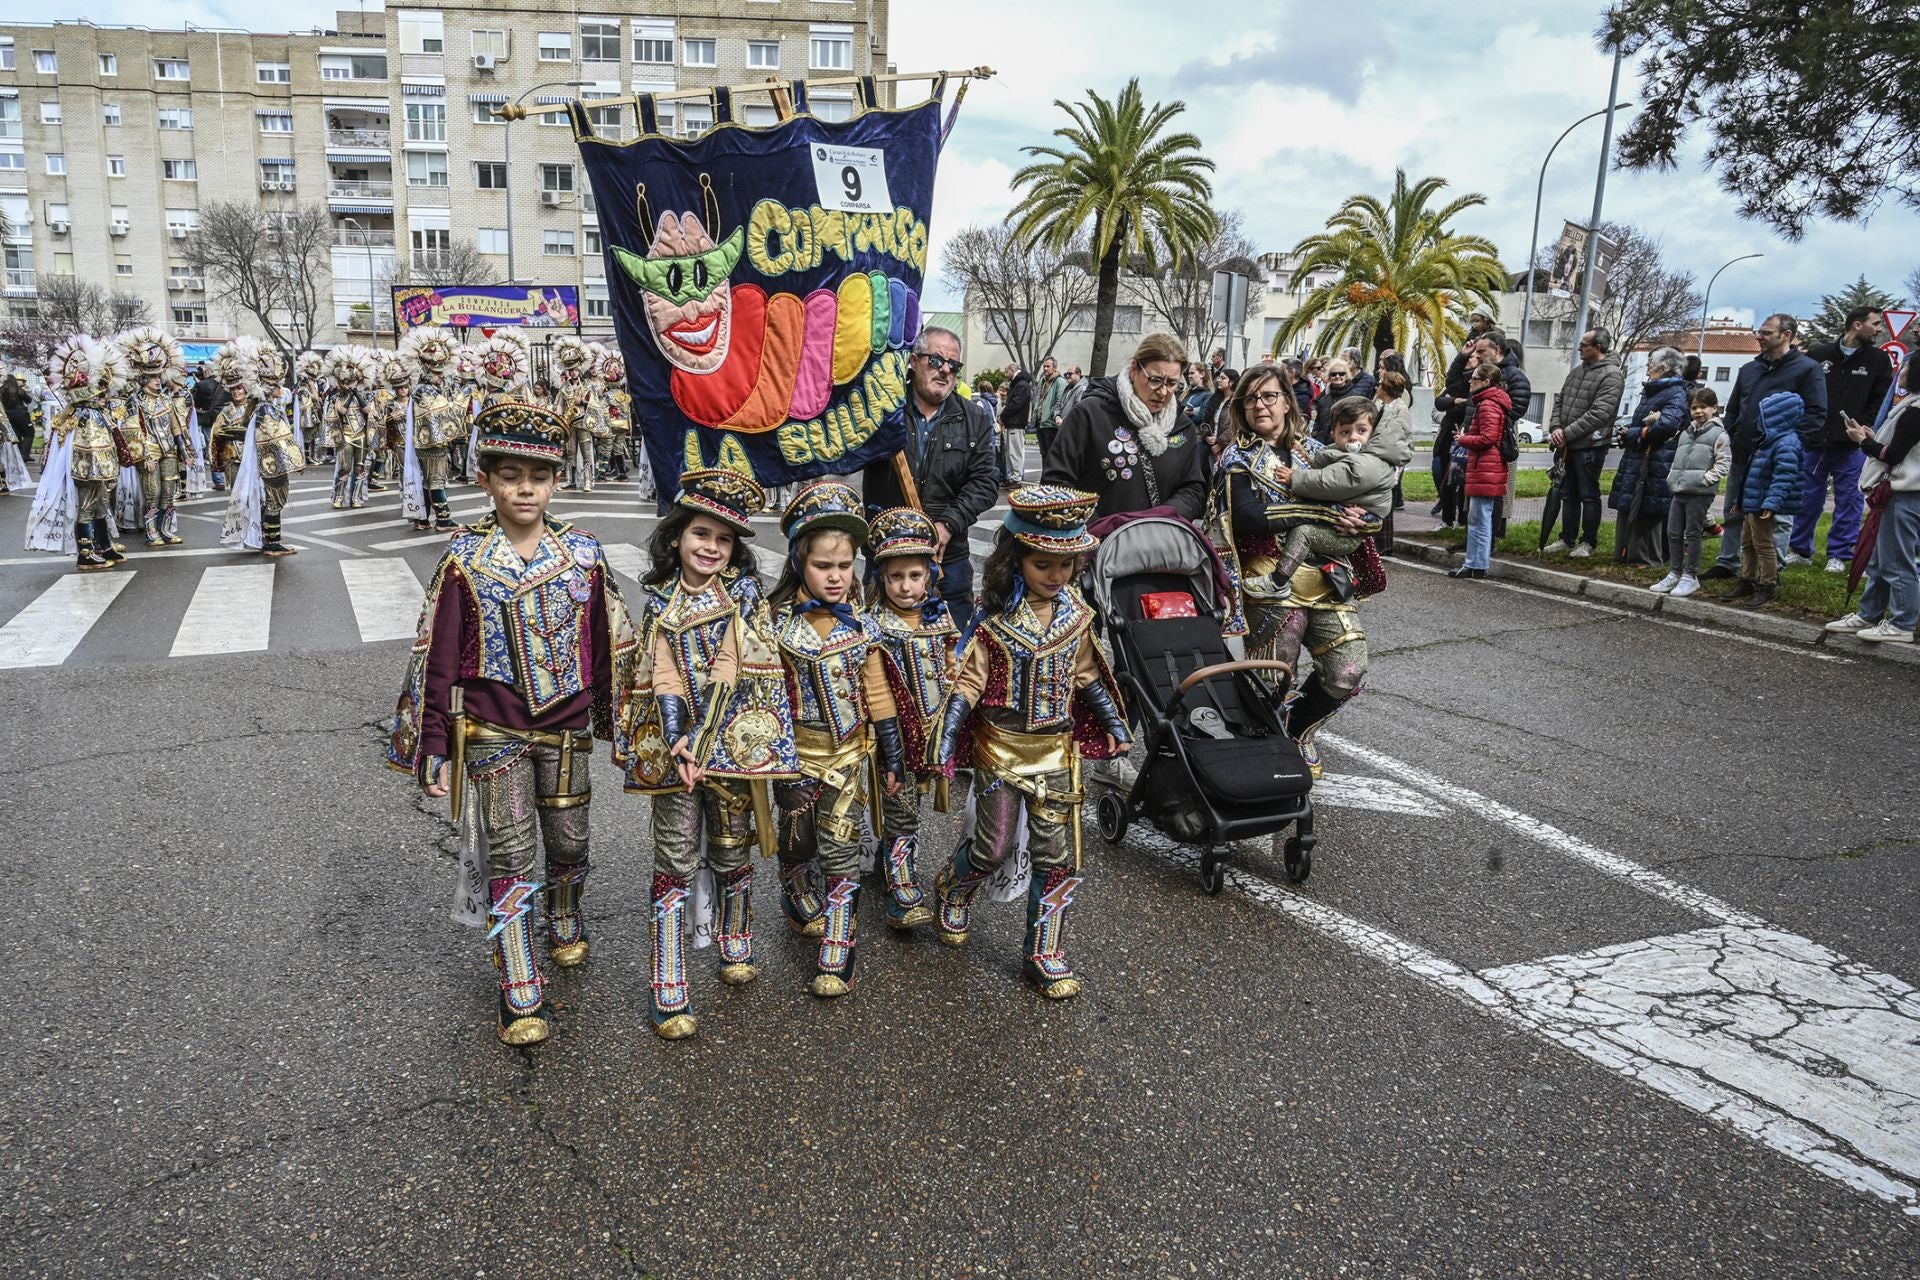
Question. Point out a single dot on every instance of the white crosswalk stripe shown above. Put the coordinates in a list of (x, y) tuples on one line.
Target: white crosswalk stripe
[(386, 597), (231, 612), (49, 629), (627, 560)]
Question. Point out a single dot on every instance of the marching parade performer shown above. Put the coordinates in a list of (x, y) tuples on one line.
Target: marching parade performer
[(198, 476), (268, 457), (707, 729), (581, 405), (130, 444), (76, 483), (917, 636), (617, 402), (463, 385), (395, 390), (434, 423), (348, 422), (1032, 697), (153, 422), (524, 650), (838, 690), (308, 402)]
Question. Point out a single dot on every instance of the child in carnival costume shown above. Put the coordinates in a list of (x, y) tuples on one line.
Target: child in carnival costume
[(842, 711), (524, 620), (619, 419), (153, 423), (434, 423), (708, 727), (348, 422), (269, 456), (82, 462), (917, 636), (390, 416), (580, 404), (1032, 698)]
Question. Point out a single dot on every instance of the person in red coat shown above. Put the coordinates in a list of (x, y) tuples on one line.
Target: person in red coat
[(1486, 469)]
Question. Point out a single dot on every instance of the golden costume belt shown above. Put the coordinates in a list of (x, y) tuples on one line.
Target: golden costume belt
[(838, 765), (478, 731), (1025, 761)]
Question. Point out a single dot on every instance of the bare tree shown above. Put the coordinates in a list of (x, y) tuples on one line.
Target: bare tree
[(1183, 293), (1030, 293), (1643, 299), (460, 263), (62, 305), (275, 266)]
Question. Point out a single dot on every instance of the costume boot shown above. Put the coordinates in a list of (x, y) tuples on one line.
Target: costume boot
[(110, 551), (566, 926), (1306, 711), (736, 927), (1049, 894), (150, 523), (270, 544), (443, 512), (800, 898), (906, 902), (89, 560), (835, 975), (170, 524), (523, 1018), (954, 887), (672, 1005), (342, 486)]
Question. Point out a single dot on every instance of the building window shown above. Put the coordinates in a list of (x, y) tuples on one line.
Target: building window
[(273, 72), (116, 166), (46, 62), (276, 122), (490, 175), (758, 115), (1720, 374), (174, 118), (182, 220), (556, 46), (275, 172), (426, 122), (353, 66), (483, 113), (50, 113), (655, 50), (179, 171), (556, 177), (599, 41), (123, 264), (556, 244), (492, 43), (431, 246), (56, 164), (830, 49), (6, 53), (599, 308), (830, 108), (109, 64), (191, 315), (490, 239), (590, 241), (763, 55), (110, 114), (421, 31), (699, 53), (9, 117), (426, 168), (13, 161), (170, 69)]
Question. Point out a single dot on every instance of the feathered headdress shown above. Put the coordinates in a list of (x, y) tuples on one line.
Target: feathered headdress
[(309, 366), (395, 369), (428, 350), (80, 367), (148, 352), (466, 363), (240, 363), (613, 369), (574, 356), (349, 366), (503, 361)]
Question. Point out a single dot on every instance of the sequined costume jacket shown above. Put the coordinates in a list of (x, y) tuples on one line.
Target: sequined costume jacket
[(619, 411), (914, 655), (437, 420), (1027, 677), (834, 676), (388, 419), (711, 648), (273, 440), (160, 418), (582, 406), (541, 644), (345, 419), (94, 455)]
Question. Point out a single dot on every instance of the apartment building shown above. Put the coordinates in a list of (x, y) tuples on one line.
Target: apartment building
[(112, 138)]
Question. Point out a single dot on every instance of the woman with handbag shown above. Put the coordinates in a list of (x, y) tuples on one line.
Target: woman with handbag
[(1890, 606)]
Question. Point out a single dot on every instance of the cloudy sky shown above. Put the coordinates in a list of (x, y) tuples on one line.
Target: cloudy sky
[(1299, 112)]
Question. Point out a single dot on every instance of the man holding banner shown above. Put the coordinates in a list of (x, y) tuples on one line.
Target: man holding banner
[(950, 453)]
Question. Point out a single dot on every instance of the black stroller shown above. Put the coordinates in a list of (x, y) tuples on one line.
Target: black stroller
[(1220, 765)]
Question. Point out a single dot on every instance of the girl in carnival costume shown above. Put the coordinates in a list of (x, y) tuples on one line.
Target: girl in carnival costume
[(838, 688), (1032, 697), (707, 729)]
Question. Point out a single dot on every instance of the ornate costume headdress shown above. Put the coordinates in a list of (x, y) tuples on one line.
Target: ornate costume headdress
[(79, 367), (349, 367), (395, 369), (516, 429), (503, 361), (1052, 518), (611, 367), (727, 496), (901, 531), (575, 357), (239, 364), (824, 504), (308, 366), (428, 350), (149, 352)]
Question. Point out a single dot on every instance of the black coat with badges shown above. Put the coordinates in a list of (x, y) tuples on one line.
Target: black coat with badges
[(1099, 451)]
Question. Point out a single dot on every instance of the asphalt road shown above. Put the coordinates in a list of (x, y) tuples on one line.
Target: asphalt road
[(1602, 970)]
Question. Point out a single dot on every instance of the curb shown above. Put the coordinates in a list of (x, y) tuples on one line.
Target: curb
[(1622, 595)]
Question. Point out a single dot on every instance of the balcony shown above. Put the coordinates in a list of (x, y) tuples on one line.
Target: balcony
[(361, 139), (19, 283), (348, 238), (201, 330), (362, 189), (186, 283), (430, 260)]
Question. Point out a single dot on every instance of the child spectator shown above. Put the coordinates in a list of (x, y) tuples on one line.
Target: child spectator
[(1700, 461), (1772, 489)]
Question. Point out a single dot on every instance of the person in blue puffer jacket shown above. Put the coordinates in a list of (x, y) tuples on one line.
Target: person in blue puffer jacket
[(1771, 489)]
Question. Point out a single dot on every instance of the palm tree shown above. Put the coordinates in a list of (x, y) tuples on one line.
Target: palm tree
[(1137, 187), (1405, 278)]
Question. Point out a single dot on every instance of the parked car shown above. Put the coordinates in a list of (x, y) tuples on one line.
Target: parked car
[(1530, 432)]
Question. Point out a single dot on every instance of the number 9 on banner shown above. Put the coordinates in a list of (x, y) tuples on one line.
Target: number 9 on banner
[(851, 179)]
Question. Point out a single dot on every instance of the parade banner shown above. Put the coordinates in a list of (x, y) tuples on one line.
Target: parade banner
[(551, 306), (765, 285)]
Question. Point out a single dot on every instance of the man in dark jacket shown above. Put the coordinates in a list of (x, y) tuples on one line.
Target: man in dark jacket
[(1583, 417), (1778, 367), (1493, 349), (1361, 383), (1858, 375), (209, 398), (951, 455), (1016, 407)]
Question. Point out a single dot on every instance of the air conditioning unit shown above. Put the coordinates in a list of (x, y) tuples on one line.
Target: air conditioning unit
[(118, 229), (483, 61), (178, 233), (276, 184), (59, 228), (551, 199)]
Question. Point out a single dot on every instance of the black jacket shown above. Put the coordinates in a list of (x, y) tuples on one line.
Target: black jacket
[(957, 474), (1455, 395), (1080, 451), (1759, 378), (1856, 384), (209, 398), (1519, 386), (1016, 402)]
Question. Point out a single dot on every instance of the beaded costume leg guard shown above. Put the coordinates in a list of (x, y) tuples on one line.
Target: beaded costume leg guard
[(563, 808), (1049, 894), (906, 902), (799, 883), (953, 889), (522, 1019), (736, 927), (835, 975), (672, 1002)]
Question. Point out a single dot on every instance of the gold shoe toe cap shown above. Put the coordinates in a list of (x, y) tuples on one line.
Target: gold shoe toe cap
[(678, 1027)]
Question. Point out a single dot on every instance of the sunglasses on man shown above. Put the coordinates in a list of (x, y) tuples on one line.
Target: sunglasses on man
[(937, 363)]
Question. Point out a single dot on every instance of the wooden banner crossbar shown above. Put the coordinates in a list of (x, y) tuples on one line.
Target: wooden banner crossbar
[(776, 88)]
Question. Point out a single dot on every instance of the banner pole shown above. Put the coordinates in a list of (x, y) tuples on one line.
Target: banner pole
[(969, 73)]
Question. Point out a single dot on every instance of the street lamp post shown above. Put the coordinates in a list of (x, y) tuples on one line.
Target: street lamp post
[(1539, 192), (373, 306), (508, 114), (1700, 347), (1600, 190)]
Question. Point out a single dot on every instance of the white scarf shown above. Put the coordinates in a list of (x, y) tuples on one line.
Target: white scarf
[(1154, 428)]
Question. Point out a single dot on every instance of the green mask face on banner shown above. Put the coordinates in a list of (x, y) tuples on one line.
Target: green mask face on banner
[(687, 278)]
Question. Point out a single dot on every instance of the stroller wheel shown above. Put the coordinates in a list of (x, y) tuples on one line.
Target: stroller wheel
[(1298, 859), (1213, 876), (1111, 814)]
